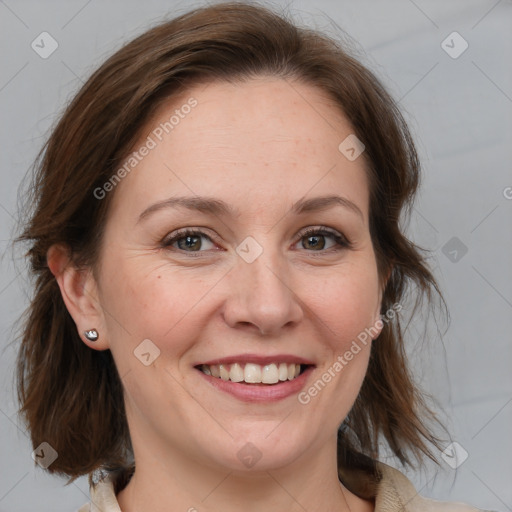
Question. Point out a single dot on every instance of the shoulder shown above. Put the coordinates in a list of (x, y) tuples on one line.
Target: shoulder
[(396, 492)]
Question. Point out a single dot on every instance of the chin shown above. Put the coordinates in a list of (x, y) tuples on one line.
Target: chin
[(260, 450)]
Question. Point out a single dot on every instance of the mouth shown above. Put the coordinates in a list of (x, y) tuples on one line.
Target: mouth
[(252, 378), (252, 373)]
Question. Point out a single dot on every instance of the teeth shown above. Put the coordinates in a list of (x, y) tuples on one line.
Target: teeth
[(224, 374), (283, 371), (236, 373), (269, 374), (253, 373)]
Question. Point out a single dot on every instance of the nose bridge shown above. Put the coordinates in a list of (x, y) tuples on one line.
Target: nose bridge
[(265, 276), (260, 292)]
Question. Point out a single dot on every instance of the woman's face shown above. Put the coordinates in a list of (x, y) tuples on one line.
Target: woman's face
[(251, 290)]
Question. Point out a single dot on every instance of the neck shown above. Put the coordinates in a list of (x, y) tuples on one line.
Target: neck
[(309, 483)]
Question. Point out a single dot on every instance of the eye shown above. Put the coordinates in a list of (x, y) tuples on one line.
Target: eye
[(188, 240), (315, 239)]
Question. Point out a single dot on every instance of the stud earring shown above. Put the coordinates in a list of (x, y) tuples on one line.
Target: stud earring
[(91, 334)]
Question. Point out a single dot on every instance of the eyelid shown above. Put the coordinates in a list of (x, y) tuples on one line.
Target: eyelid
[(341, 240), (183, 232), (324, 230)]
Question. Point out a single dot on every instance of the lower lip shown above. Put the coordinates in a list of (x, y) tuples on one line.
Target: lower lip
[(260, 392)]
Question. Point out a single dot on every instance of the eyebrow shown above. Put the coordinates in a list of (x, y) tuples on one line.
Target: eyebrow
[(220, 208)]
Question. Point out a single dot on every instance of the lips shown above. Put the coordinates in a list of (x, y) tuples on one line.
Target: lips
[(251, 377)]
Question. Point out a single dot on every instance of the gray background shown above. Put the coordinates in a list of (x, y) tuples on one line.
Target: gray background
[(460, 111)]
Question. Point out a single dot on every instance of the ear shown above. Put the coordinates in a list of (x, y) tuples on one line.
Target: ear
[(80, 294)]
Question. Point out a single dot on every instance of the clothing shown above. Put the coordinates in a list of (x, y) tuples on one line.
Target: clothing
[(392, 491)]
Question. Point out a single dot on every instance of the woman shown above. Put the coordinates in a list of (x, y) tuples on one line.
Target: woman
[(220, 277)]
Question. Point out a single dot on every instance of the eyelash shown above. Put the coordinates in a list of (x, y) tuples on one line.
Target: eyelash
[(341, 241)]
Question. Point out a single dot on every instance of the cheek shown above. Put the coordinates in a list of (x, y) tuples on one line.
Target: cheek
[(146, 315), (346, 303), (345, 307), (151, 301)]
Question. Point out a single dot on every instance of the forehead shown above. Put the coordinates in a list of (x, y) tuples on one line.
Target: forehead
[(255, 144)]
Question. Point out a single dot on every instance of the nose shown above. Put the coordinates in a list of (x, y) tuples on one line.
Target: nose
[(261, 296)]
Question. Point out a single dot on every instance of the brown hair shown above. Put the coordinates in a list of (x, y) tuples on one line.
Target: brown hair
[(72, 396)]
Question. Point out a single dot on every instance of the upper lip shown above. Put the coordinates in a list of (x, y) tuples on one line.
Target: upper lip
[(258, 359)]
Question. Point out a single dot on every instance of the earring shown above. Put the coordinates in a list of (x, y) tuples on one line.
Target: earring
[(91, 334)]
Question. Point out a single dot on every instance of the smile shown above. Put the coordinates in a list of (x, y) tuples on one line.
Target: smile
[(251, 373)]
